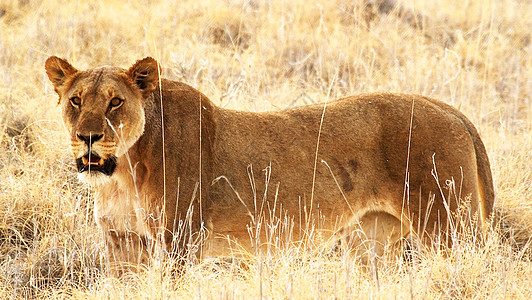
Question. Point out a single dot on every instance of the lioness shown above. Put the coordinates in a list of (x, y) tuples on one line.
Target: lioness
[(167, 165)]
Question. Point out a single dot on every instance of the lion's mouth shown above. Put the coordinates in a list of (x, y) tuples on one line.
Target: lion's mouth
[(93, 162)]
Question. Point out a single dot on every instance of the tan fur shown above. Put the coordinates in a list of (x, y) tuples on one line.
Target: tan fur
[(240, 170)]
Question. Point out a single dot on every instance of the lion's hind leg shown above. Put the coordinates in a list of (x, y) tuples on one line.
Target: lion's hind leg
[(375, 235)]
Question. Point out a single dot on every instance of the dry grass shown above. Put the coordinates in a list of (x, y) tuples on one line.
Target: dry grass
[(259, 55)]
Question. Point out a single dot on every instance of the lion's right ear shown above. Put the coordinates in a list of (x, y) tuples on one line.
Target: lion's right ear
[(58, 71), (145, 74)]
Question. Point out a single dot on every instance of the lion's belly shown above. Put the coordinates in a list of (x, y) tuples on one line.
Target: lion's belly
[(286, 218)]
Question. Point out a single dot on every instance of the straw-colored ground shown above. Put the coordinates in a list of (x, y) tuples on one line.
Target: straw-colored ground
[(261, 55)]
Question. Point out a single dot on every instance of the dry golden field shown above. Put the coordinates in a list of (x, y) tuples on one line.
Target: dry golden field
[(264, 55)]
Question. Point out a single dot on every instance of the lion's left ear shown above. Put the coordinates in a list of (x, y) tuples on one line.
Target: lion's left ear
[(145, 74)]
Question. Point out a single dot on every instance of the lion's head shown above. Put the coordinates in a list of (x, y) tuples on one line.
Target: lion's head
[(103, 111)]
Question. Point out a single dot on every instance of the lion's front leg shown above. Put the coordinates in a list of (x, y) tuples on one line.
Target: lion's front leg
[(128, 242), (126, 251)]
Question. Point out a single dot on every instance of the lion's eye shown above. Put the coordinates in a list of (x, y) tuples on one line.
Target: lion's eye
[(115, 102), (76, 101)]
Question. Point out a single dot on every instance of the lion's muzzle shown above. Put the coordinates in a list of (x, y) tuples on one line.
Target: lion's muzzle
[(92, 162)]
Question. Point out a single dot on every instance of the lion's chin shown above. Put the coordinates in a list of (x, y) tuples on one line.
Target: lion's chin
[(94, 178)]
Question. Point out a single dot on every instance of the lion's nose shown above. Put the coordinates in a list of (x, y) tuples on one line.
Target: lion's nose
[(90, 138)]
